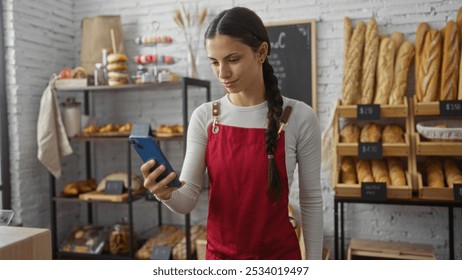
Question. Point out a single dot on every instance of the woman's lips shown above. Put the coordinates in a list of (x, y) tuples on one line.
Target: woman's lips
[(228, 83)]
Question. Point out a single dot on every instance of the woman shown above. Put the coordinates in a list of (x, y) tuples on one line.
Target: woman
[(249, 154)]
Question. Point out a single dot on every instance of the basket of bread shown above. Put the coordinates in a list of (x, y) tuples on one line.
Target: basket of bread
[(441, 130)]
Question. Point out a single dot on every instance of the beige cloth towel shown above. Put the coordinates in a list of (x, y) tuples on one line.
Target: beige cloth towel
[(51, 134)]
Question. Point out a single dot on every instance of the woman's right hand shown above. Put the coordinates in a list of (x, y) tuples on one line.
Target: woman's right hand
[(160, 189)]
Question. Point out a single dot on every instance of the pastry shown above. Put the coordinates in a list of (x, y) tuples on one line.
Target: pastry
[(352, 75), (380, 171), (393, 133), (371, 51), (396, 172), (348, 174), (385, 71), (349, 134), (402, 63), (371, 132)]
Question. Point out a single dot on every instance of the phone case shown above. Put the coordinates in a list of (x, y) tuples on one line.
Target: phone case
[(148, 149)]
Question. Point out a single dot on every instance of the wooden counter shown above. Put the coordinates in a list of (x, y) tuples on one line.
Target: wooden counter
[(21, 243)]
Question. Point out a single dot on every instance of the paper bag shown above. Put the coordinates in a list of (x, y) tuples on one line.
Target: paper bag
[(96, 36)]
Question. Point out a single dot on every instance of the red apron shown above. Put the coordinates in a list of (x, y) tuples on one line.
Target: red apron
[(243, 223)]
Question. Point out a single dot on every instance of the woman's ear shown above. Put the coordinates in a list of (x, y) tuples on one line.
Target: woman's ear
[(262, 52)]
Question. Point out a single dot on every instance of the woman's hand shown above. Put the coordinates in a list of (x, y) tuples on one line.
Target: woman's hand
[(161, 188)]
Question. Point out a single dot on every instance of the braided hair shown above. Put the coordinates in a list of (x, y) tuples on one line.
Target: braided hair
[(245, 25)]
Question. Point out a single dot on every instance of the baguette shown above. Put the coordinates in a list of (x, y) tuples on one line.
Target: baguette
[(347, 31), (348, 175), (371, 50), (402, 62), (352, 74), (363, 169), (452, 172), (459, 21), (385, 69), (380, 171), (398, 39), (429, 69), (422, 30), (396, 171), (435, 175), (450, 63)]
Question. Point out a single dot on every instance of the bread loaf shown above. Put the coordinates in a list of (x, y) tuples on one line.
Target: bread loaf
[(371, 52), (398, 39), (396, 171), (380, 172), (452, 172), (385, 70), (349, 134), (371, 132), (352, 75), (363, 169), (459, 21), (435, 175), (393, 133), (422, 30), (348, 174), (347, 31), (450, 63), (402, 63), (429, 70)]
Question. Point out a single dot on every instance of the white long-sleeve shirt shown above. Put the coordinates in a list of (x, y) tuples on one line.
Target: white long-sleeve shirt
[(302, 146)]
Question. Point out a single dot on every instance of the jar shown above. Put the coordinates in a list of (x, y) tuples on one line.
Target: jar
[(100, 80), (119, 239), (71, 116)]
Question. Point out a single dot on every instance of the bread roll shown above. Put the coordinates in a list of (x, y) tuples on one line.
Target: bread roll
[(422, 30), (396, 172), (349, 134), (393, 133), (371, 52), (402, 62), (429, 70), (371, 132), (348, 174), (363, 169), (352, 75), (398, 39), (385, 71), (452, 172), (450, 63), (435, 176), (380, 171)]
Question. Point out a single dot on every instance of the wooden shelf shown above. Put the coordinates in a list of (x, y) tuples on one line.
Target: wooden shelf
[(431, 148), (386, 111)]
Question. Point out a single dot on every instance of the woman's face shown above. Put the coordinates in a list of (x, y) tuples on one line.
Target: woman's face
[(234, 64)]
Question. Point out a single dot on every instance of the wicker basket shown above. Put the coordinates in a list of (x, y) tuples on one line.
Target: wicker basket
[(442, 130)]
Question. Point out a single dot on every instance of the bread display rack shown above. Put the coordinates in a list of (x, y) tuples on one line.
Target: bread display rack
[(56, 199)]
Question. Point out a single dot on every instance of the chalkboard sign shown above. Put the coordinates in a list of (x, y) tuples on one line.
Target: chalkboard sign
[(293, 57)]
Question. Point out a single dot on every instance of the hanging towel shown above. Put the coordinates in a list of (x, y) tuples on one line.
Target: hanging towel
[(51, 135)]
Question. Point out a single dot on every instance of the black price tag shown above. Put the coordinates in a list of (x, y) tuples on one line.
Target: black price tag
[(370, 150), (457, 192), (141, 129), (114, 187), (368, 112), (451, 108), (161, 253), (374, 191)]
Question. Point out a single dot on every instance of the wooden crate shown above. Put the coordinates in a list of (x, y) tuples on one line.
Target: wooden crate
[(426, 108), (388, 149), (354, 191), (386, 111), (383, 250), (425, 192), (101, 196), (443, 148)]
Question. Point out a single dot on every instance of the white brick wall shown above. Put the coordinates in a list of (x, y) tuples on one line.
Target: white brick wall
[(44, 36)]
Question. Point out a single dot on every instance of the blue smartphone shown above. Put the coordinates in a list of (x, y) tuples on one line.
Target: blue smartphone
[(148, 149)]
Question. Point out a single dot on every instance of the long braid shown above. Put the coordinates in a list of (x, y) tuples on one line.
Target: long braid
[(274, 98)]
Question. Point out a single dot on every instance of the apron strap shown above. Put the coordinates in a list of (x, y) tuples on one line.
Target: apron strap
[(284, 120), (215, 115)]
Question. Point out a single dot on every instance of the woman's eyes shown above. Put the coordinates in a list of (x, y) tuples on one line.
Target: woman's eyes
[(230, 60)]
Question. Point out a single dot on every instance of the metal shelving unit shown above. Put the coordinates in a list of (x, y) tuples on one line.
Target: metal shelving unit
[(184, 85)]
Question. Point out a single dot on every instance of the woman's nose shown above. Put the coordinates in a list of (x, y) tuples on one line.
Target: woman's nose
[(224, 71)]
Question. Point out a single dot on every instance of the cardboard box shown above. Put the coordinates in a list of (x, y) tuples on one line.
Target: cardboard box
[(382, 250), (21, 243)]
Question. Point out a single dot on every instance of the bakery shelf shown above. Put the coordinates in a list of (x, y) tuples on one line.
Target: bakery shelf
[(354, 191), (426, 108), (386, 111), (80, 256), (429, 148), (425, 192)]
